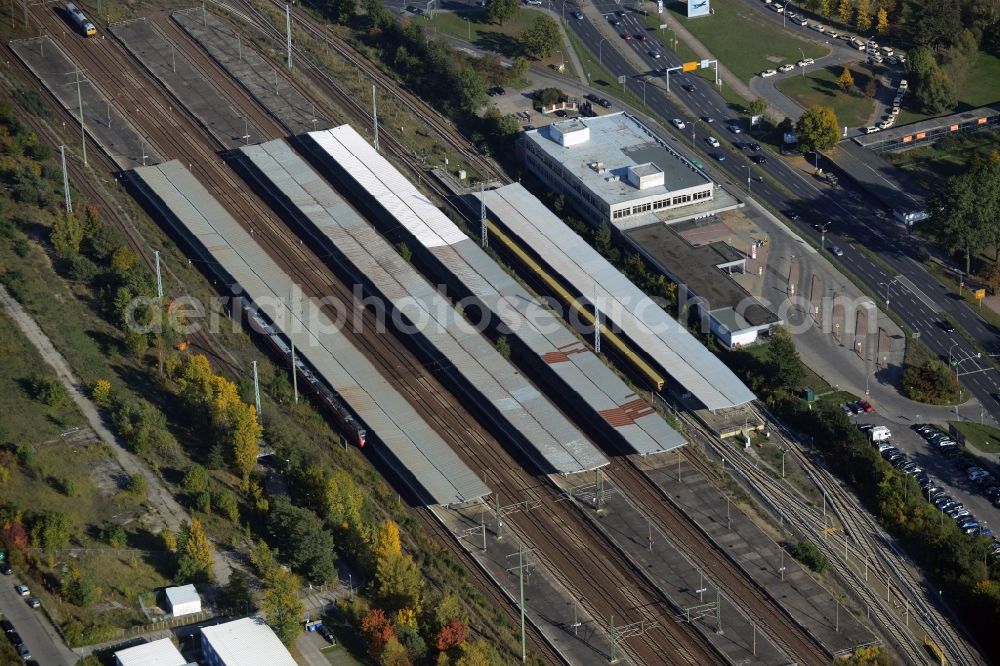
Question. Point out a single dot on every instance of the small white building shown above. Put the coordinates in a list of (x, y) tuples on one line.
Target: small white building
[(183, 600), (244, 642), (157, 653)]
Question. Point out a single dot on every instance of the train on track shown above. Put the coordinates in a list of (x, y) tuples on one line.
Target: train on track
[(346, 420), (80, 21)]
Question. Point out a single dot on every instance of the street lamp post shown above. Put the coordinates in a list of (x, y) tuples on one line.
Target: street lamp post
[(784, 15), (600, 53), (886, 285), (803, 58), (822, 235), (747, 167)]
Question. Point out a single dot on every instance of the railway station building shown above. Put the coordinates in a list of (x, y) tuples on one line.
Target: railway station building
[(614, 169)]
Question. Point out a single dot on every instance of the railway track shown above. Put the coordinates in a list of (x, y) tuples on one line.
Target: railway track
[(698, 547), (359, 111), (902, 612), (557, 533)]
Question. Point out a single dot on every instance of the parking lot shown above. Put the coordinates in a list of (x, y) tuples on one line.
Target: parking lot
[(944, 465)]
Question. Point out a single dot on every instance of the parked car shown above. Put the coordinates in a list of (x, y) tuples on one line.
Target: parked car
[(7, 626), (786, 68), (23, 650), (768, 72), (6, 569), (22, 590), (327, 634), (33, 602)]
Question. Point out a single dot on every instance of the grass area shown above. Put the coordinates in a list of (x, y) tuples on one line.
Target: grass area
[(979, 86), (475, 28), (743, 40), (933, 164), (983, 437), (26, 419), (819, 87)]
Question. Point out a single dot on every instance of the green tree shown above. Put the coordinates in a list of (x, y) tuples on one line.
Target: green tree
[(863, 15), (66, 235), (844, 11), (236, 594), (470, 89), (818, 128), (195, 480), (115, 535), (936, 24), (52, 530), (784, 366), (965, 212), (936, 93), (226, 504), (338, 11), (757, 107), (826, 7), (542, 39), (502, 10), (845, 80), (503, 346), (519, 68), (194, 554), (282, 607), (77, 589), (137, 486), (343, 500), (49, 390), (301, 537)]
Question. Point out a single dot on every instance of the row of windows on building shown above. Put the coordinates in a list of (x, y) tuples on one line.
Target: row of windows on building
[(665, 202)]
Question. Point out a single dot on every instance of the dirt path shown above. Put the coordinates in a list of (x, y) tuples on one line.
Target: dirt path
[(162, 502)]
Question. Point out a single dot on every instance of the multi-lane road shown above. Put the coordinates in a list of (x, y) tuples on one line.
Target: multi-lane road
[(914, 295)]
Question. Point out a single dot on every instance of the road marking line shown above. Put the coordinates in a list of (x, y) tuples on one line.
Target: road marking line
[(905, 281)]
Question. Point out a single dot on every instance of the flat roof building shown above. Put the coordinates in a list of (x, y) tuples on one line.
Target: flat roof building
[(183, 600), (734, 316), (615, 169), (244, 642), (156, 653)]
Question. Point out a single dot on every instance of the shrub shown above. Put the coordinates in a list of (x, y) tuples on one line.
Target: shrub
[(806, 553)]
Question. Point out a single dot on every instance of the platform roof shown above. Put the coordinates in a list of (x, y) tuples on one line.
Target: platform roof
[(539, 329), (416, 447), (526, 414), (648, 325)]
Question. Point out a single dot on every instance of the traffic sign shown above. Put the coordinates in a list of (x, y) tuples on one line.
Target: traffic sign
[(689, 66)]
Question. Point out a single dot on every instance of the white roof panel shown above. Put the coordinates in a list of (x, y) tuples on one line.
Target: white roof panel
[(407, 437)]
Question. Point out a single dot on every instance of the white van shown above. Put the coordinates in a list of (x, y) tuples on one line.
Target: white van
[(879, 434)]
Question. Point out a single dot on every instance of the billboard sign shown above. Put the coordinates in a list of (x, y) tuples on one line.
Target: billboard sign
[(698, 8)]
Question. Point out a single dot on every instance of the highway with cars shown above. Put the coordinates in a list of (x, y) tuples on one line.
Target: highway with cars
[(877, 252)]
